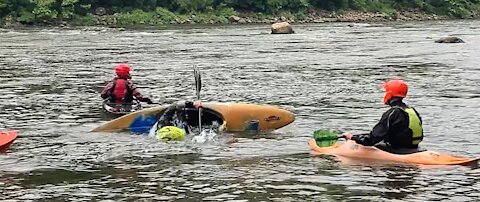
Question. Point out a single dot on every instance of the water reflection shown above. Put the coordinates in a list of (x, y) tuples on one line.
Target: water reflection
[(399, 181)]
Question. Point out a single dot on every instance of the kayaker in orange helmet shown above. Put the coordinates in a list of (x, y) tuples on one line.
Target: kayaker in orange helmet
[(122, 89), (400, 127)]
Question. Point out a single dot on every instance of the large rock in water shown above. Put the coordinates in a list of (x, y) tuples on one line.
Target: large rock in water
[(282, 28), (449, 39)]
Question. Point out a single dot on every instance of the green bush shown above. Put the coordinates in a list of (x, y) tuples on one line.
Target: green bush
[(209, 18), (44, 13), (26, 17), (226, 12), (88, 20), (165, 15), (190, 6), (300, 16), (335, 4), (459, 9), (136, 16)]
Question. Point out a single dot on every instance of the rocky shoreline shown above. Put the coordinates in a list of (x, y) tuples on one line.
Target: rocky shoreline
[(317, 16), (345, 16)]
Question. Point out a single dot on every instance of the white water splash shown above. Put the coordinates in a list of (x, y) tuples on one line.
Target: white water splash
[(207, 135)]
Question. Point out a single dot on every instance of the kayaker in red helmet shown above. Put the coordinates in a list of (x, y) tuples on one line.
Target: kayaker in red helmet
[(400, 127), (122, 89)]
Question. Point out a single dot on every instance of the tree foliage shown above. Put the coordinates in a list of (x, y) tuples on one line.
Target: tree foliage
[(130, 11)]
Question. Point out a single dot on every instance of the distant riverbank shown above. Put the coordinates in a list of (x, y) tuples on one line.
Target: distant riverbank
[(118, 20), (142, 12)]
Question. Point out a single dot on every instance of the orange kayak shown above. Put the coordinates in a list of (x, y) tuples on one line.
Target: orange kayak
[(350, 149), (233, 117), (6, 139)]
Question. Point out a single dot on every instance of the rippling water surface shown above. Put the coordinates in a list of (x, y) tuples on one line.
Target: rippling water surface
[(329, 75)]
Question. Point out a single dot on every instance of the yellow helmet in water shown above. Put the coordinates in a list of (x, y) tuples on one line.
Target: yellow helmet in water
[(169, 133)]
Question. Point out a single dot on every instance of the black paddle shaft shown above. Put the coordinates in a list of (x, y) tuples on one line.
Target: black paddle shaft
[(198, 87), (198, 81)]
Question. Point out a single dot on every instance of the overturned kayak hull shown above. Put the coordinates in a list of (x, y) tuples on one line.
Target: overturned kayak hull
[(352, 150), (6, 139), (232, 117)]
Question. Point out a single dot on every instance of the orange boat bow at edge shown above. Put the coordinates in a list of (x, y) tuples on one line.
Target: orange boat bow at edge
[(6, 139)]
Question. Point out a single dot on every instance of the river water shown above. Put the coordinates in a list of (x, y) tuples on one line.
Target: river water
[(329, 75)]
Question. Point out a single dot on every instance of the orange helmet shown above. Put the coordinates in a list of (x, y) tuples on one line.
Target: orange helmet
[(123, 70), (394, 88)]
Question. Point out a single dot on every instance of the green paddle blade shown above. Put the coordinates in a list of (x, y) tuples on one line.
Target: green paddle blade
[(325, 138)]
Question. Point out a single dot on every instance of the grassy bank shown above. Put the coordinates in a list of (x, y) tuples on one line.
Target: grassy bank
[(152, 12)]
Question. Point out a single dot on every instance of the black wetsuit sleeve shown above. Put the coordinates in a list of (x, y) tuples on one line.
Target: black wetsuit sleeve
[(107, 90), (189, 104), (379, 131), (167, 117)]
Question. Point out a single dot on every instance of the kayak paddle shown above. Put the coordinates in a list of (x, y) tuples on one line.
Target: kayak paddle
[(326, 138), (198, 87)]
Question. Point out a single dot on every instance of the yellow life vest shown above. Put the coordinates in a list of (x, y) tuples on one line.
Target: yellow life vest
[(415, 125)]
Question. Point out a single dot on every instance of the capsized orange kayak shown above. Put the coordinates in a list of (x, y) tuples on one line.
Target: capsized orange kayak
[(6, 139), (351, 149), (234, 117)]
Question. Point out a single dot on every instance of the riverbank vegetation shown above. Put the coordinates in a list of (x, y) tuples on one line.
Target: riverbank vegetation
[(132, 12)]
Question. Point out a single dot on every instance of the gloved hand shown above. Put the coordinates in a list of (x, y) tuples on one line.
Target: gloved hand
[(347, 135), (197, 104)]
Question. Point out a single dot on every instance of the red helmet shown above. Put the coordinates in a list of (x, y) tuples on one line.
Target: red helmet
[(394, 88), (123, 70)]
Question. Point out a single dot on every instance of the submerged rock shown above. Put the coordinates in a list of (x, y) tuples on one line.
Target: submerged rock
[(282, 28), (449, 39)]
